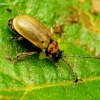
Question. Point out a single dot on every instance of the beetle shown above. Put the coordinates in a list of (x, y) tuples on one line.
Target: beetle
[(32, 30), (29, 28), (36, 33)]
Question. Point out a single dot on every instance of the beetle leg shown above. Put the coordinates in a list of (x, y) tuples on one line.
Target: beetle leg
[(25, 54), (17, 38), (53, 61)]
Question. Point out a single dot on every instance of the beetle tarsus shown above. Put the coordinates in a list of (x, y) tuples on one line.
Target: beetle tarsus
[(77, 80)]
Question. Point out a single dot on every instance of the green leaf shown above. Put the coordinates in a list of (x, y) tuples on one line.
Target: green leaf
[(39, 79)]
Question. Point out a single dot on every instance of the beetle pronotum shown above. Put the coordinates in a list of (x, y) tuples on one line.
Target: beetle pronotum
[(35, 32)]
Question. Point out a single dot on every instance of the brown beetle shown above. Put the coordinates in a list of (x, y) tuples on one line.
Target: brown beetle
[(36, 33)]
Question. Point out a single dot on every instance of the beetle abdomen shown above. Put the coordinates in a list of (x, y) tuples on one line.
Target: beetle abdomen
[(32, 30)]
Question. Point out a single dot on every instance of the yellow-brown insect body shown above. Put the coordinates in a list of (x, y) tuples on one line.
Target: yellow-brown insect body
[(35, 32), (32, 30)]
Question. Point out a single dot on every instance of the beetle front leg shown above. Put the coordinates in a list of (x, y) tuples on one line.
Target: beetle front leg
[(55, 63)]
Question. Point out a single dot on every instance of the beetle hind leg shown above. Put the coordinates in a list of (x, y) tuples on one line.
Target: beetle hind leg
[(17, 38), (25, 54)]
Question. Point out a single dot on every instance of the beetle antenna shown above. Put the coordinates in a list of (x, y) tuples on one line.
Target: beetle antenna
[(83, 57), (75, 79)]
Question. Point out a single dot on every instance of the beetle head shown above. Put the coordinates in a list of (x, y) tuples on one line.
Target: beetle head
[(56, 56), (53, 50)]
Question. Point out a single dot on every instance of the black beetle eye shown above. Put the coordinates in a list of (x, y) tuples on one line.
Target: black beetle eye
[(57, 55)]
